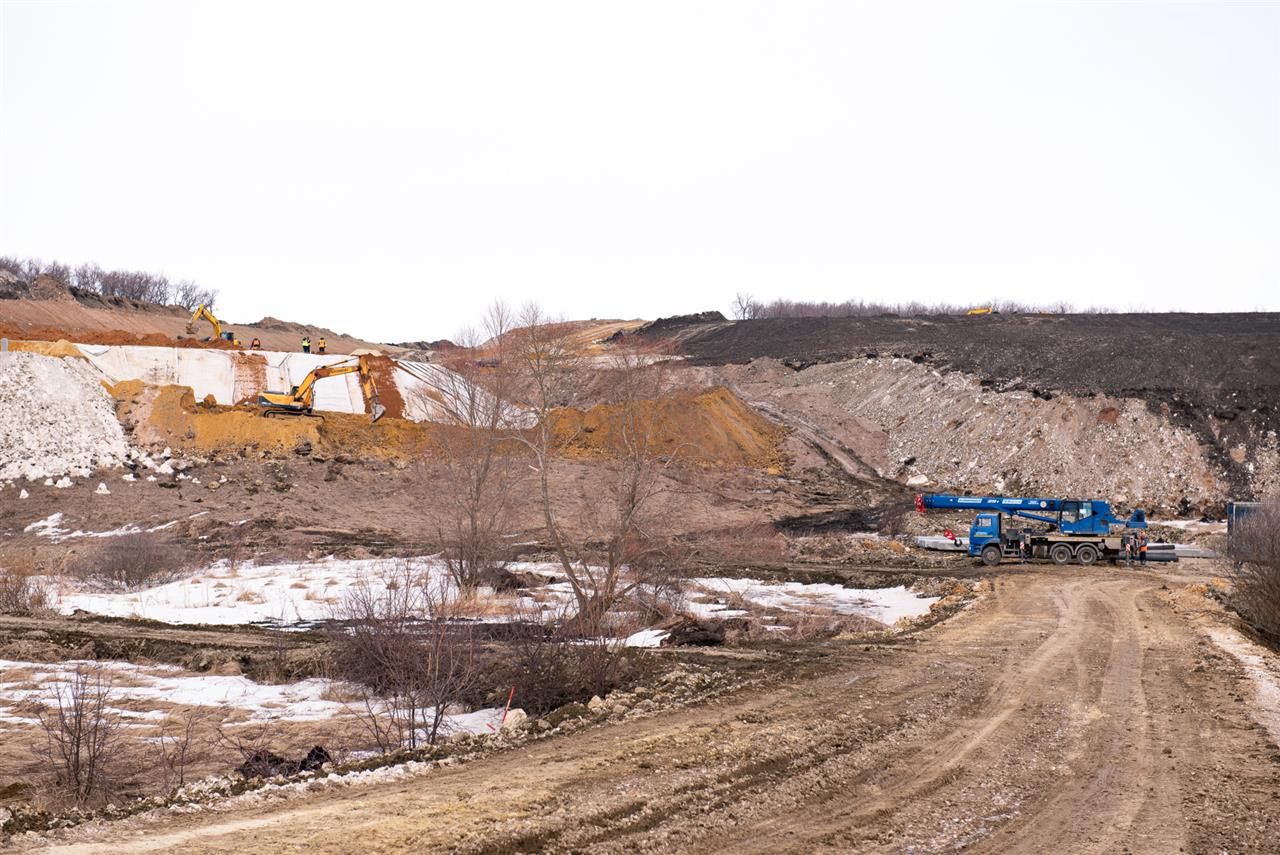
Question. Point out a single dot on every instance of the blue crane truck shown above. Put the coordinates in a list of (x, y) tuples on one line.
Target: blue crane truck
[(1076, 530)]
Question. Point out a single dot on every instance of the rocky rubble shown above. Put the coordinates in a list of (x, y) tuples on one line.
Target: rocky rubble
[(946, 430), (55, 419)]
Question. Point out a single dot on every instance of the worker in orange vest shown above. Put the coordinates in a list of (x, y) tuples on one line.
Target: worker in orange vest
[(322, 345)]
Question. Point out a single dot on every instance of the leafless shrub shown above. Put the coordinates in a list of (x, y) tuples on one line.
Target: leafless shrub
[(20, 593), (656, 602), (253, 745), (179, 744), (131, 561), (411, 658), (1255, 548), (80, 735), (550, 666)]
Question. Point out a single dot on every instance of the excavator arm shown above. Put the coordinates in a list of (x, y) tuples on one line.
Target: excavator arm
[(300, 399), (203, 312)]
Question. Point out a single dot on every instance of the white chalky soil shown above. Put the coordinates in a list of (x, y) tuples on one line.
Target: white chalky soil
[(55, 419)]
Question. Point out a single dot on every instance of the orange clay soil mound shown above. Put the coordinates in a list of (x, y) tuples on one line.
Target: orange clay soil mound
[(170, 415), (714, 427), (33, 333), (711, 428), (62, 347)]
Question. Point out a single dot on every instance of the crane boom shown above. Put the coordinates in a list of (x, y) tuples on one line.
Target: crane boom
[(1070, 516), (1079, 528)]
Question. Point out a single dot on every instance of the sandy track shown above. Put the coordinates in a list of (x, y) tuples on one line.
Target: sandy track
[(1065, 713)]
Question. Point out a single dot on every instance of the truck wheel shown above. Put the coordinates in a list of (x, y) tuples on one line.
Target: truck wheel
[(1086, 555), (991, 555), (1060, 554)]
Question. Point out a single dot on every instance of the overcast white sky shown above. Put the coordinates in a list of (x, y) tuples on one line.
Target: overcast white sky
[(388, 169)]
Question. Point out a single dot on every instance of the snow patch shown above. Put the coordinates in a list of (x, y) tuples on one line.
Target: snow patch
[(645, 638), (245, 594), (168, 685), (886, 605), (51, 527)]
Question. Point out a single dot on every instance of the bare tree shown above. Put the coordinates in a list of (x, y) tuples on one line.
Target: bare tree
[(87, 277), (745, 307), (476, 471), (404, 647), (189, 294), (80, 734), (617, 545), (57, 270)]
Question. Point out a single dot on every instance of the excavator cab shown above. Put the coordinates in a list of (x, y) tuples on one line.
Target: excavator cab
[(300, 399)]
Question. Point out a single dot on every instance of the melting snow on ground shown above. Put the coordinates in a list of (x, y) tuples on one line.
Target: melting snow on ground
[(306, 592), (51, 527), (227, 595), (169, 686), (886, 605)]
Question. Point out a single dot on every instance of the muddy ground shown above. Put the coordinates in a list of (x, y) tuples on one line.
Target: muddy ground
[(1068, 711)]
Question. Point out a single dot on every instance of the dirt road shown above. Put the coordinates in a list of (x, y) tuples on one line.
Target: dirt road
[(1066, 712)]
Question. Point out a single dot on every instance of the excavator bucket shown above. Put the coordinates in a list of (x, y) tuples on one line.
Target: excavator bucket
[(378, 411)]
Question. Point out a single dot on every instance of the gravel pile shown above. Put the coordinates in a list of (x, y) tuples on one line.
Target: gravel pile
[(56, 419)]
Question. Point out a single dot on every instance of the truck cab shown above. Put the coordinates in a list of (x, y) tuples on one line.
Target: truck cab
[(985, 529), (991, 540)]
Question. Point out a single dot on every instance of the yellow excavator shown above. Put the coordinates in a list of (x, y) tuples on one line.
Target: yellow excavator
[(204, 312), (298, 401), (983, 310)]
